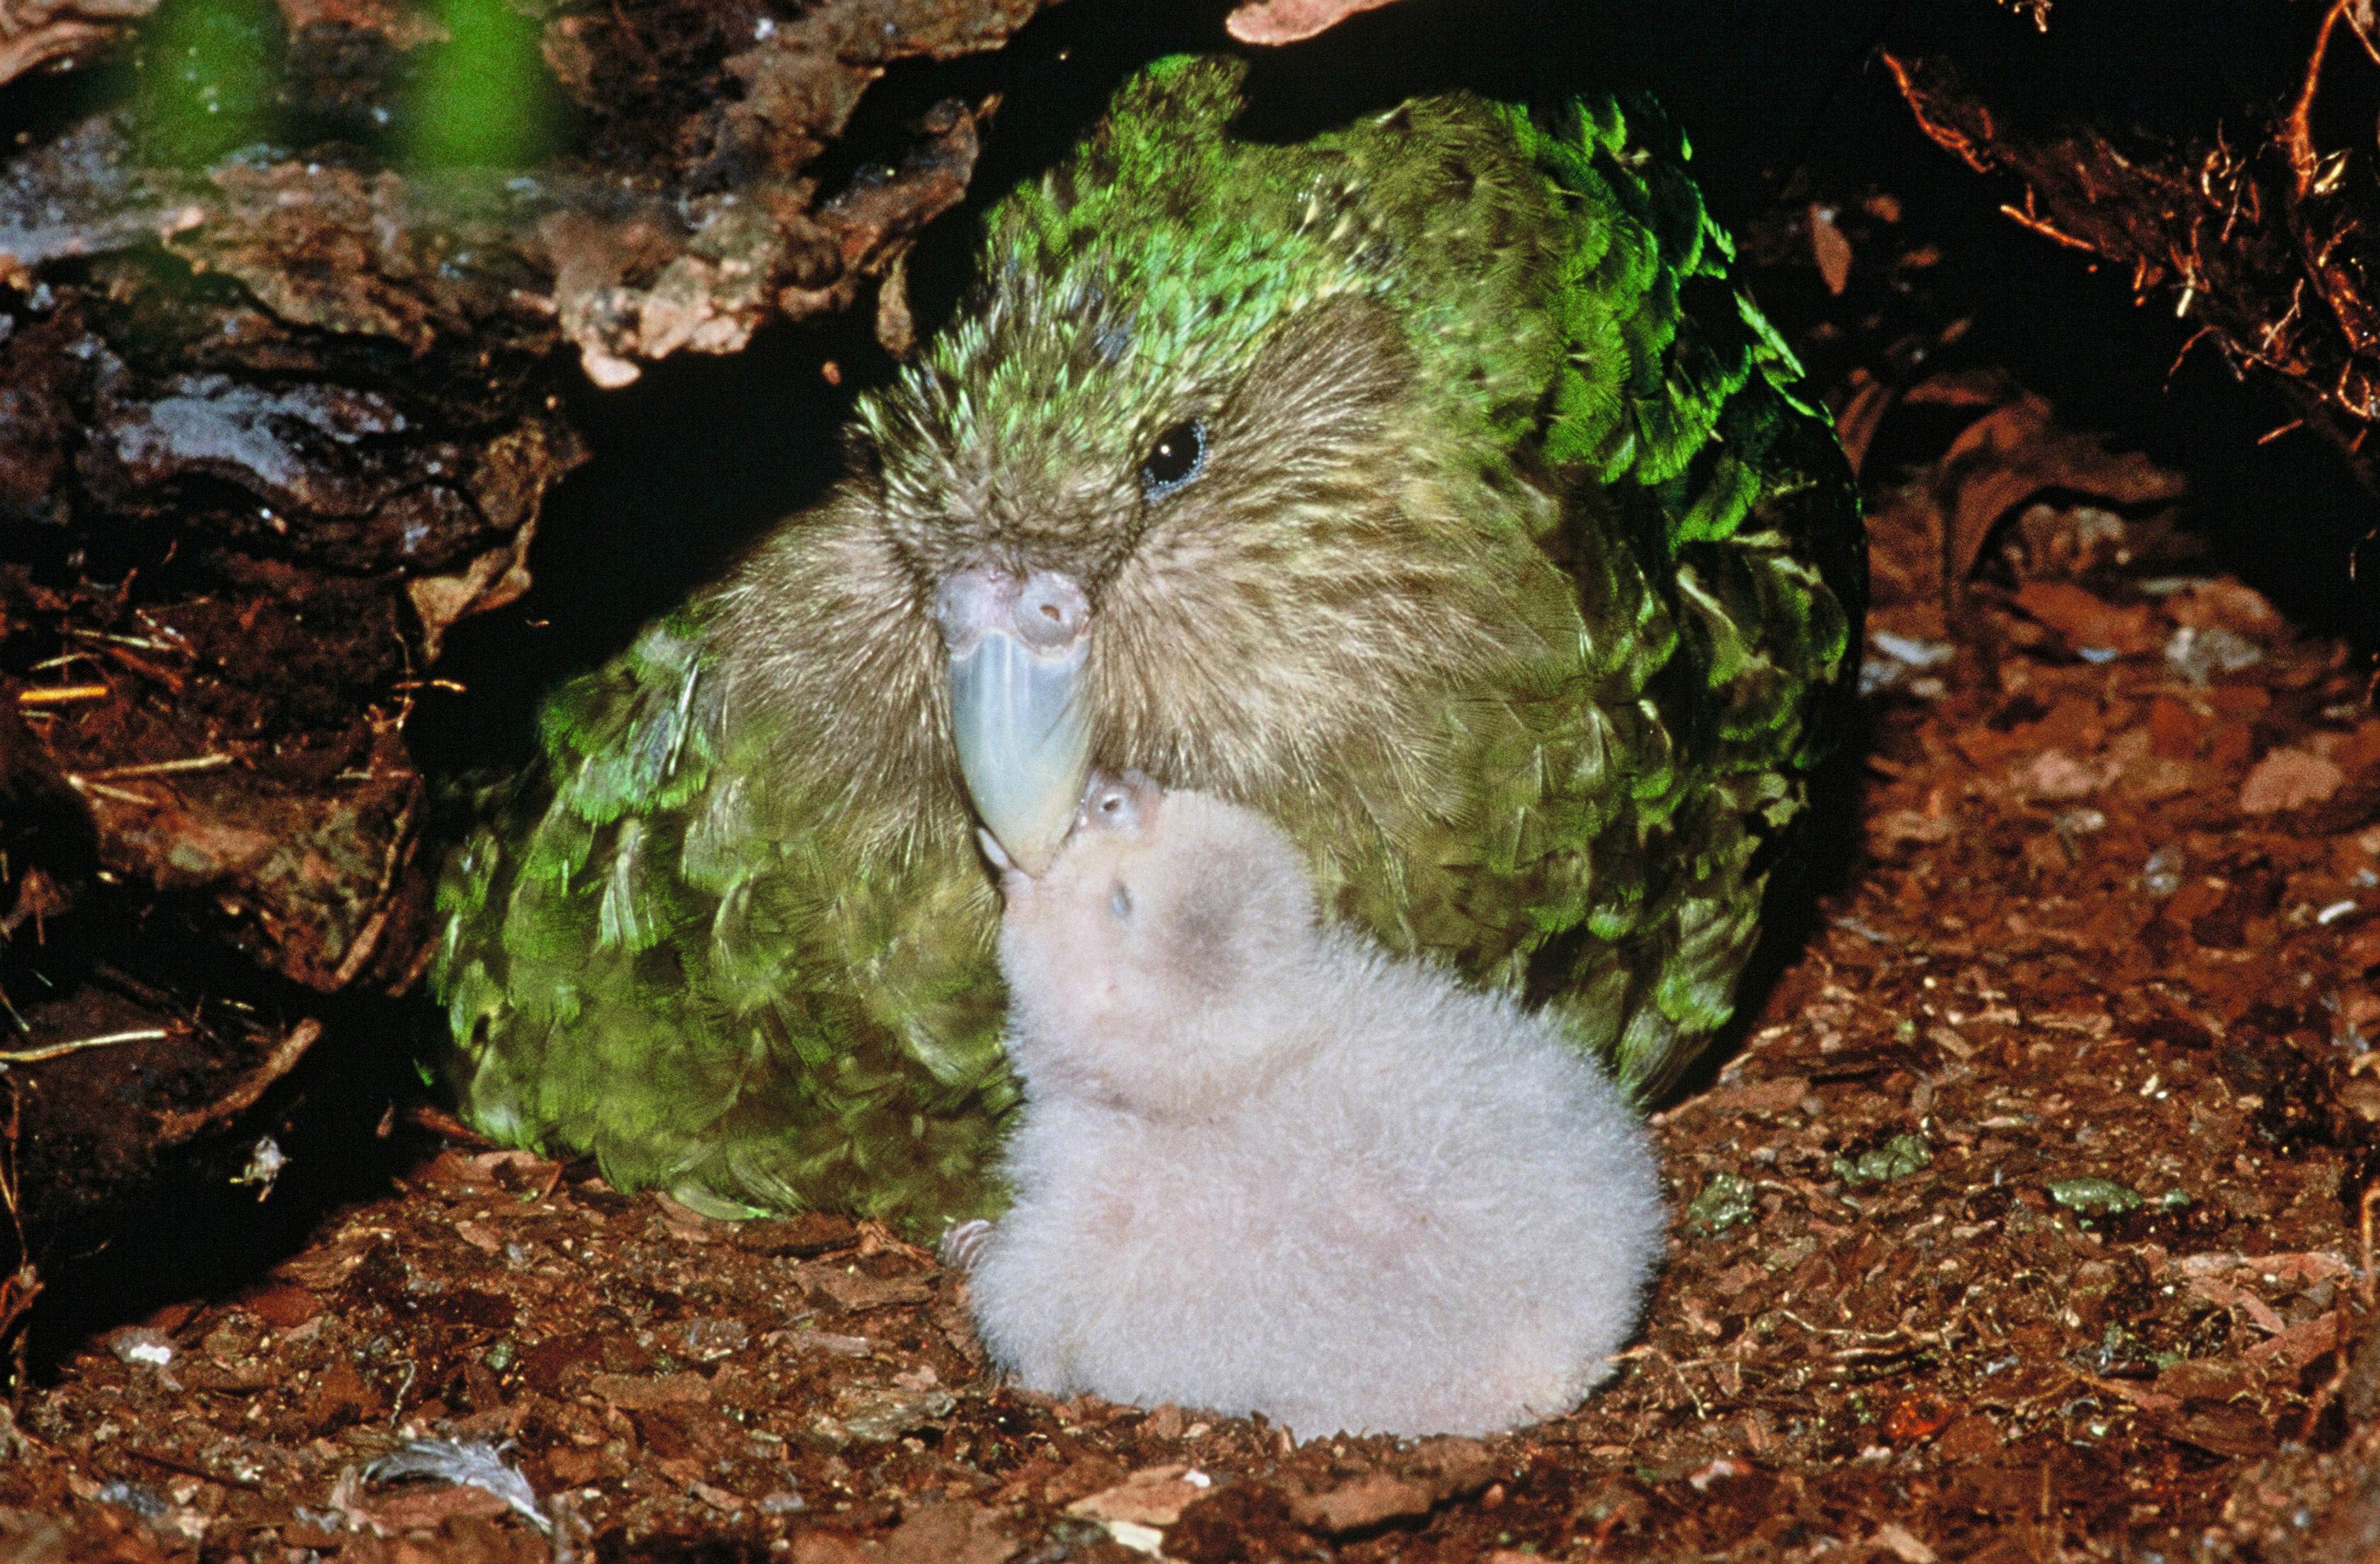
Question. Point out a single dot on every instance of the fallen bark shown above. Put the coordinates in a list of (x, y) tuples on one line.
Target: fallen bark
[(60, 34)]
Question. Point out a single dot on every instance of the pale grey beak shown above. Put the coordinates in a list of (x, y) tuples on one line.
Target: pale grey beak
[(1018, 715)]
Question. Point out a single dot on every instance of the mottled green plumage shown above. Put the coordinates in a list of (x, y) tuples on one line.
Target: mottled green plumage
[(1519, 585)]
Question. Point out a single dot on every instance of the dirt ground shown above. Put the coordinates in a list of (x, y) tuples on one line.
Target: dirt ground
[(2027, 1222)]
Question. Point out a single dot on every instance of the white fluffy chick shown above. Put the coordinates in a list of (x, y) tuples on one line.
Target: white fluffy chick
[(1263, 1167)]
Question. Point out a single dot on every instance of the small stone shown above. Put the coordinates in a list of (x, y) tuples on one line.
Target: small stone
[(137, 1344), (879, 1420), (2161, 875)]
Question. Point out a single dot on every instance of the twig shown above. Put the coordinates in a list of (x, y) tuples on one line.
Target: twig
[(1943, 135), (2355, 24), (18, 1289), (122, 795), (142, 642), (2298, 138), (1701, 1412), (367, 941), (191, 1468), (108, 1039), (155, 768), (2045, 228), (2365, 1283), (438, 1121), (2297, 134), (61, 695)]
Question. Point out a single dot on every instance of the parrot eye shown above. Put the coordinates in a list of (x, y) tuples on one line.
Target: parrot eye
[(1121, 902), (1179, 455)]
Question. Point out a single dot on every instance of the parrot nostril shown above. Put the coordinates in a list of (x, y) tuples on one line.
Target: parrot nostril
[(1046, 610), (969, 603), (1051, 611)]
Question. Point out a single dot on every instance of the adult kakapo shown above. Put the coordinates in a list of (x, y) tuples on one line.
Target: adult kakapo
[(1425, 486)]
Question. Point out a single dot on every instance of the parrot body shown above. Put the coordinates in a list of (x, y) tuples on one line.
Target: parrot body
[(1425, 487), (1263, 1168)]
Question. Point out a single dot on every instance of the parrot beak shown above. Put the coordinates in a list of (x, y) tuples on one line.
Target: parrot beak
[(1013, 883), (1017, 712)]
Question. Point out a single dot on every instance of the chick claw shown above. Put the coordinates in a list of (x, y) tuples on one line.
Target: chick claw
[(961, 1245)]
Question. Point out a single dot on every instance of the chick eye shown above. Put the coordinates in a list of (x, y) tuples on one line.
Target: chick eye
[(1121, 902), (1179, 455)]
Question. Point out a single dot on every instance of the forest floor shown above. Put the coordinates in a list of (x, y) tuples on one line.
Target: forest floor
[(2023, 1224), (2026, 1222)]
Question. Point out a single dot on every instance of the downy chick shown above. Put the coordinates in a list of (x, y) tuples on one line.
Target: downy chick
[(1263, 1167)]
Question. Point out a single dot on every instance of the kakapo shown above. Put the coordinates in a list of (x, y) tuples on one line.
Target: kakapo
[(1425, 486)]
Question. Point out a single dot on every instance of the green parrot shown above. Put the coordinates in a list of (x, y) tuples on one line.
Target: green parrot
[(1425, 486)]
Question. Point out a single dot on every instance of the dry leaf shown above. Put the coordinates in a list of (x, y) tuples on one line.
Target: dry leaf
[(1288, 21), (2055, 774), (2235, 1431), (2085, 620), (2300, 1344), (2016, 452), (2289, 779), (1858, 414), (637, 1392), (853, 1292), (948, 1531), (2224, 1295), (1830, 248), (1155, 1496), (1760, 1097), (1364, 1502)]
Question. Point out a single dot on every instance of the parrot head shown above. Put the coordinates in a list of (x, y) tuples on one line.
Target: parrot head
[(1168, 495)]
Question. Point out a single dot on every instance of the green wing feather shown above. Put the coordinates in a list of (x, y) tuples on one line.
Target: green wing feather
[(1626, 780), (641, 962)]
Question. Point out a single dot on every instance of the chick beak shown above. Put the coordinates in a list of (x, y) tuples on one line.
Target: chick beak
[(1018, 715)]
